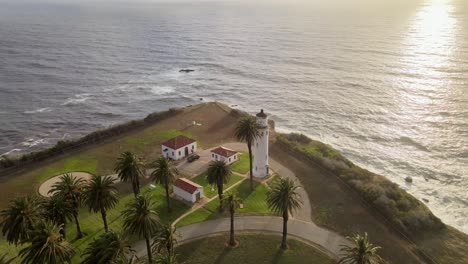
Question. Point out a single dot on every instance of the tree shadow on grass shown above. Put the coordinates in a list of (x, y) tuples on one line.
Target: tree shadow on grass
[(277, 257), (220, 259)]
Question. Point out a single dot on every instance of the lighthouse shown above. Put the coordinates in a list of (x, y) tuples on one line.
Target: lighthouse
[(260, 149)]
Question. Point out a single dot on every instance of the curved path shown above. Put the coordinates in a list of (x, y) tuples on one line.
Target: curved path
[(307, 231), (47, 185)]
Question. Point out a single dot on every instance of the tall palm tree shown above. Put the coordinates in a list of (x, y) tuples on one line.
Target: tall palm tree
[(5, 260), (19, 217), (232, 201), (100, 195), (108, 248), (219, 174), (283, 198), (165, 240), (141, 219), (47, 246), (165, 174), (129, 169), (58, 210), (361, 252), (71, 188), (247, 130)]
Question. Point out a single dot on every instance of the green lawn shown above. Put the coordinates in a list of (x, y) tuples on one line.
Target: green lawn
[(207, 188), (242, 165), (77, 163), (252, 249), (254, 204), (92, 225)]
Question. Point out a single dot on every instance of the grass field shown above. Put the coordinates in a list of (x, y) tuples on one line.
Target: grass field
[(242, 165), (252, 249), (207, 188), (92, 225), (254, 204)]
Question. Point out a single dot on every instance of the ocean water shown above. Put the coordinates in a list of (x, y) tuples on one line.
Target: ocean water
[(386, 83)]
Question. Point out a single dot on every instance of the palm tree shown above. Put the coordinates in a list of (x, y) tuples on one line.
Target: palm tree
[(141, 219), (218, 174), (165, 239), (165, 174), (5, 260), (247, 130), (58, 210), (361, 252), (100, 195), (128, 168), (232, 201), (108, 248), (71, 188), (47, 246), (283, 198), (19, 217)]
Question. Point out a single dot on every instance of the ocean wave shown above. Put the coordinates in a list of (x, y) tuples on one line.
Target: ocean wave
[(31, 142), (9, 152), (78, 99), (39, 110), (161, 90), (410, 142)]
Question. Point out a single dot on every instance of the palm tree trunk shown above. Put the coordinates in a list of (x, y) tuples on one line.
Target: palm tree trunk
[(78, 228), (168, 199), (232, 241), (284, 245), (104, 219), (148, 249), (63, 232), (249, 146), (136, 187), (220, 195)]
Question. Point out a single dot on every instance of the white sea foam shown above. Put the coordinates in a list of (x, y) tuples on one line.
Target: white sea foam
[(78, 99), (162, 90), (10, 152), (39, 110), (31, 142)]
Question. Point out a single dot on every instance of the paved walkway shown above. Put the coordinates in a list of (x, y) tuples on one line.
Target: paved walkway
[(307, 231)]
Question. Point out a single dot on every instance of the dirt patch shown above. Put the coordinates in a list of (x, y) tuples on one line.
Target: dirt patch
[(47, 185)]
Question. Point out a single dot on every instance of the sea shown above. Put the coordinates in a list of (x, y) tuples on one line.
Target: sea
[(383, 81)]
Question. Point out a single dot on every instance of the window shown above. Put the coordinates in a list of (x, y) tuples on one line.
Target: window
[(235, 156), (179, 153), (212, 155), (193, 146)]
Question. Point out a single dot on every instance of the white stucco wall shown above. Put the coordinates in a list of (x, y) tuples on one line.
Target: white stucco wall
[(177, 154), (230, 160), (181, 194), (260, 150)]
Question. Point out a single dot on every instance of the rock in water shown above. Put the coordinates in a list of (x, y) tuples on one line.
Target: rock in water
[(186, 70)]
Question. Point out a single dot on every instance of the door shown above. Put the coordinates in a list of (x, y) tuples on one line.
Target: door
[(197, 196), (186, 151)]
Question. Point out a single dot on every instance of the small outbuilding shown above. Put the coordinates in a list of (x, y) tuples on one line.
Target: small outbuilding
[(179, 147), (224, 154), (187, 190)]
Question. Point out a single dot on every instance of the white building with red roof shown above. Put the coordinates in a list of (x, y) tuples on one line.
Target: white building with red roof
[(178, 147), (187, 190), (224, 154)]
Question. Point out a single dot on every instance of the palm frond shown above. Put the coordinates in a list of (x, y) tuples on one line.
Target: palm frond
[(283, 196)]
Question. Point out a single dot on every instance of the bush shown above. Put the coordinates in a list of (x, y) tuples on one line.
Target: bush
[(404, 211)]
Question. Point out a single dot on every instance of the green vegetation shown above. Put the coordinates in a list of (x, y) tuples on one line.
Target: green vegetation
[(252, 249), (242, 164), (404, 211), (72, 164), (247, 130), (207, 191), (254, 203)]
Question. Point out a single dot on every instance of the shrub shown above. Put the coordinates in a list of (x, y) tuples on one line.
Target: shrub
[(405, 212)]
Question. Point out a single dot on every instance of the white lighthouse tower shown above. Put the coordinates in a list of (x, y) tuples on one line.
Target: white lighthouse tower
[(260, 149)]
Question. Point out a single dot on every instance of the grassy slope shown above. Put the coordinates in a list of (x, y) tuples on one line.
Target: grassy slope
[(252, 249), (345, 213)]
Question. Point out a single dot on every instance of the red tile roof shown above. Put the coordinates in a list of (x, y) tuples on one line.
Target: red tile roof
[(178, 142), (225, 152), (187, 185)]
